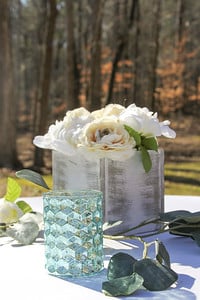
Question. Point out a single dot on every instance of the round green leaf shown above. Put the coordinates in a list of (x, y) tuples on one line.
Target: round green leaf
[(183, 228), (123, 286), (156, 276), (120, 265), (196, 236), (162, 254), (172, 215)]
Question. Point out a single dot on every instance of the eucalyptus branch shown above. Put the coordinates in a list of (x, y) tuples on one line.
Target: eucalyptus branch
[(163, 229), (146, 248), (146, 245), (143, 223)]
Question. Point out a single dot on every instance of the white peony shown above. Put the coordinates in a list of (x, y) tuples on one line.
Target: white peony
[(166, 131), (145, 122), (102, 133), (46, 141), (77, 118), (9, 212), (63, 136), (108, 110), (106, 137)]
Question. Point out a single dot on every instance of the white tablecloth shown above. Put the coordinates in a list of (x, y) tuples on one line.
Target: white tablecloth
[(23, 276)]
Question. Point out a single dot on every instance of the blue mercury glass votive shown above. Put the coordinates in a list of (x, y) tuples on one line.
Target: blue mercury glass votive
[(73, 232)]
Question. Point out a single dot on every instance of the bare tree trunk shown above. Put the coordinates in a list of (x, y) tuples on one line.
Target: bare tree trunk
[(38, 59), (72, 75), (147, 50), (154, 55), (43, 110), (8, 153), (94, 93), (181, 53), (122, 43)]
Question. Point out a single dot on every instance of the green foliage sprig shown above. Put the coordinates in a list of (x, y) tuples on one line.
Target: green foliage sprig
[(13, 192), (126, 274), (153, 274), (13, 225), (33, 177), (176, 222), (143, 144)]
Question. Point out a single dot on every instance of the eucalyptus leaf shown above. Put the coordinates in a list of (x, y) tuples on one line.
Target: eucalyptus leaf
[(183, 228), (134, 134), (123, 286), (150, 143), (25, 207), (33, 177), (192, 218), (157, 277), (182, 222), (146, 159), (120, 265), (172, 215), (162, 254), (13, 190), (196, 237)]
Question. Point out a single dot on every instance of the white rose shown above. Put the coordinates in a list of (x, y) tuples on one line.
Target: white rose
[(108, 110), (106, 137), (9, 211)]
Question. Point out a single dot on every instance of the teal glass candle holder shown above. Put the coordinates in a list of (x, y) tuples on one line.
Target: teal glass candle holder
[(73, 233)]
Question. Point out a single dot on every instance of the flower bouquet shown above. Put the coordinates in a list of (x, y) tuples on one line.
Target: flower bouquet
[(113, 132), (113, 149)]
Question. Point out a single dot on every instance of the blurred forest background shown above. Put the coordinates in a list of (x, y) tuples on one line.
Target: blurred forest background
[(56, 55)]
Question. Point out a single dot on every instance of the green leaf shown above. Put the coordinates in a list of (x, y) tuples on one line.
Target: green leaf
[(25, 207), (157, 277), (120, 265), (33, 177), (162, 254), (150, 143), (134, 134), (182, 222), (123, 286), (13, 190), (174, 214), (146, 159), (183, 228), (192, 218), (196, 237)]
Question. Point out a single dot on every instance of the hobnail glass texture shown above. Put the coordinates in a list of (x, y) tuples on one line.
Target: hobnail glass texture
[(73, 233)]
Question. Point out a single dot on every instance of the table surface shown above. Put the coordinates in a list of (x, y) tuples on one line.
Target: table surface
[(23, 276)]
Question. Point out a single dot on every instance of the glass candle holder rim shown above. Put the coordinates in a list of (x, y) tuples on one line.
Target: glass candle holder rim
[(73, 193)]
